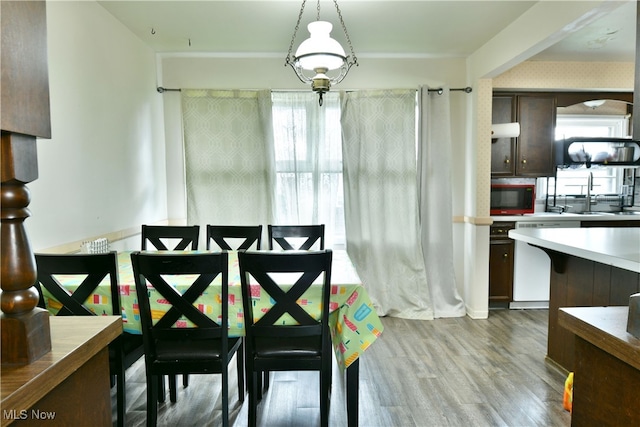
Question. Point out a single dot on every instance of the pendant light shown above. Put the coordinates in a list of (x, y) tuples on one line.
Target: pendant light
[(320, 59)]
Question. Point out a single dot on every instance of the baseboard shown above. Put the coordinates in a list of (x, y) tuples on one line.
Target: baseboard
[(477, 314), (520, 305)]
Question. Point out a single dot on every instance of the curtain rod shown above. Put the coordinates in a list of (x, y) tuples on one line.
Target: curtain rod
[(460, 89), (439, 90)]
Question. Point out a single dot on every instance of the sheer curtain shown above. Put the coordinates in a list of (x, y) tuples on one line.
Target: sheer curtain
[(308, 157), (434, 168), (381, 202), (229, 163)]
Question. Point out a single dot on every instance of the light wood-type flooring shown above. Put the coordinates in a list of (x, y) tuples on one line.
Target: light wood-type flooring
[(445, 372)]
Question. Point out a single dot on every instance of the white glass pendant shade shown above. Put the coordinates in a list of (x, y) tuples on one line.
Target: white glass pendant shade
[(320, 51)]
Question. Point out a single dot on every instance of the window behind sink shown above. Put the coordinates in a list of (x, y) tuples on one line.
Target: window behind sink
[(571, 186)]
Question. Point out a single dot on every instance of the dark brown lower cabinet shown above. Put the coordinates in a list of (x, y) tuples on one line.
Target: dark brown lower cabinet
[(501, 271), (501, 250), (627, 223)]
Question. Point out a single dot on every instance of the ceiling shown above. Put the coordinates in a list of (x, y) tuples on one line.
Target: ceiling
[(418, 28)]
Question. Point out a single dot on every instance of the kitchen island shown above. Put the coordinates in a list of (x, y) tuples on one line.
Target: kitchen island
[(590, 267)]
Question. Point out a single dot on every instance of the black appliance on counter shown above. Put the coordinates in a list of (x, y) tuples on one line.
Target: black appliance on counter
[(597, 151)]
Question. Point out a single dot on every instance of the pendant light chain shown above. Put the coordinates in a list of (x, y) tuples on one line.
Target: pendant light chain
[(344, 28), (295, 32)]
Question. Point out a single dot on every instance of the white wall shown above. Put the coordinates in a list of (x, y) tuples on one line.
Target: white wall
[(103, 171)]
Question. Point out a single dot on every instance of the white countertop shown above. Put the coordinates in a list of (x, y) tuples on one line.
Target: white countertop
[(542, 216), (619, 247)]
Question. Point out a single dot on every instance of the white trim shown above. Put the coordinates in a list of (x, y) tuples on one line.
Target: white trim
[(282, 55), (616, 123)]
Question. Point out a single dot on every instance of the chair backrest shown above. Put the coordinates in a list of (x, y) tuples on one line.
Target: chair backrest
[(185, 235), (259, 272), (87, 269), (158, 273), (225, 235), (283, 234)]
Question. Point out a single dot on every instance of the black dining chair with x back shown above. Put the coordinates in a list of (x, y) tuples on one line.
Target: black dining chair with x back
[(293, 237), (179, 238), (303, 345), (182, 237), (90, 270), (303, 236), (225, 235), (203, 347)]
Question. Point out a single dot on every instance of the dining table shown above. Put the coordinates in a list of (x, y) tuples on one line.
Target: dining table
[(353, 320)]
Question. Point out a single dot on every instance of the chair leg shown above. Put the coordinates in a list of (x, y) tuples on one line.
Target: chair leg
[(185, 380), (325, 399), (152, 399), (263, 383), (259, 387), (161, 390), (252, 385), (173, 389), (121, 398), (225, 395), (240, 369)]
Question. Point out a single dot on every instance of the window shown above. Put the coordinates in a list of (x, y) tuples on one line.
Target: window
[(568, 126), (308, 156), (606, 180)]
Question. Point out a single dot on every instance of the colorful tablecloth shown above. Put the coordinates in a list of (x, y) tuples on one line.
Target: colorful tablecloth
[(354, 322)]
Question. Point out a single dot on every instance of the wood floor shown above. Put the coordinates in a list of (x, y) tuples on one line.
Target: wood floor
[(445, 372)]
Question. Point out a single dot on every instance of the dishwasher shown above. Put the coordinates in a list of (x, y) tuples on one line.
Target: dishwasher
[(532, 268)]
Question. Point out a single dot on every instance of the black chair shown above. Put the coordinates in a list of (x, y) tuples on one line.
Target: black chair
[(222, 236), (284, 235), (271, 346), (304, 237), (186, 237), (182, 237), (203, 348), (127, 348)]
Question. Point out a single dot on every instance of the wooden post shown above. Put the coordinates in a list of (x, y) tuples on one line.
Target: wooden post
[(25, 115)]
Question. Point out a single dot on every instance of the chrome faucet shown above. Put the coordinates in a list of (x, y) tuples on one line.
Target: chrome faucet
[(587, 204)]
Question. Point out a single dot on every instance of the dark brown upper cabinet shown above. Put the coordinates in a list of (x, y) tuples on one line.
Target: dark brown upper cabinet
[(532, 153)]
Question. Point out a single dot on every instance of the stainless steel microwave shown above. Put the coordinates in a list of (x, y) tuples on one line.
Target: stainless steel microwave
[(512, 199)]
